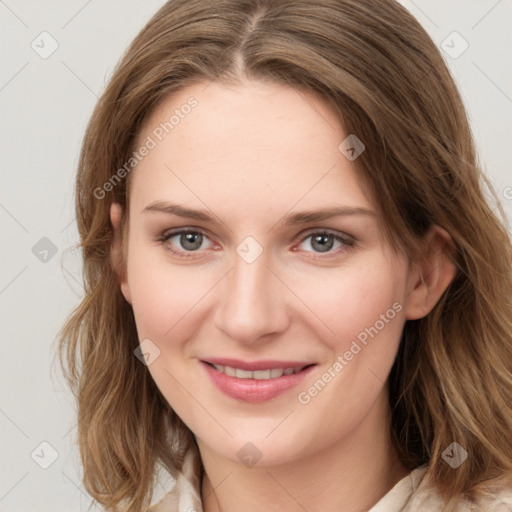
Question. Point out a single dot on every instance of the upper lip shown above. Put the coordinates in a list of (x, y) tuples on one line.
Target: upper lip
[(268, 364)]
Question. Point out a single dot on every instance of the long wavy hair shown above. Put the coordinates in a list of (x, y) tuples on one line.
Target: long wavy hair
[(385, 78)]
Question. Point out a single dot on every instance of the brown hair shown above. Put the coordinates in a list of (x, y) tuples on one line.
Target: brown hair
[(379, 70)]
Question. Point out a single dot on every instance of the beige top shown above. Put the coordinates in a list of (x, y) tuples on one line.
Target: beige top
[(411, 494)]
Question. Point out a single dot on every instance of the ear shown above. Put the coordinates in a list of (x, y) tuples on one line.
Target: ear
[(431, 275), (116, 252)]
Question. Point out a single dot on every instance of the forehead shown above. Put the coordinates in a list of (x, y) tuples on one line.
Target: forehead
[(250, 146)]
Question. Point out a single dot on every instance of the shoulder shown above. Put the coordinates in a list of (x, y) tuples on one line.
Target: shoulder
[(169, 503), (497, 502), (184, 495), (418, 494), (414, 493), (411, 494)]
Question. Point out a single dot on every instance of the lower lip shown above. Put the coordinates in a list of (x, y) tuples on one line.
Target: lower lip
[(254, 390)]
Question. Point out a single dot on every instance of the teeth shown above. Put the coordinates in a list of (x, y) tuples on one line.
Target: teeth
[(243, 374), (258, 374), (231, 372)]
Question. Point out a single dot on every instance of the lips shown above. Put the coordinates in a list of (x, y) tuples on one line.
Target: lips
[(256, 381), (273, 373), (267, 364)]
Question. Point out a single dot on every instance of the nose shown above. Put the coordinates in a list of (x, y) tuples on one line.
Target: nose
[(252, 302)]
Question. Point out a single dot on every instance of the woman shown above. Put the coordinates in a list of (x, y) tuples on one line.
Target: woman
[(297, 297)]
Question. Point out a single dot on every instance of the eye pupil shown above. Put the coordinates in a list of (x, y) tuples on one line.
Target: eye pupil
[(322, 242), (191, 241)]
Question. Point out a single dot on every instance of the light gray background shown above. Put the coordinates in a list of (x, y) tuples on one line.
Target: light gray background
[(45, 105)]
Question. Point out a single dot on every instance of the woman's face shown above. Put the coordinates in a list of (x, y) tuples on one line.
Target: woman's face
[(283, 268)]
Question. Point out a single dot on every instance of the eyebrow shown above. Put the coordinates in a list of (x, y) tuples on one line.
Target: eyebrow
[(287, 220)]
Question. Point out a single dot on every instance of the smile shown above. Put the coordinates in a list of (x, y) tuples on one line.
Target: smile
[(255, 382), (258, 374)]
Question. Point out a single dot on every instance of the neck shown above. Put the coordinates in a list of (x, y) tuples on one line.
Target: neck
[(351, 474)]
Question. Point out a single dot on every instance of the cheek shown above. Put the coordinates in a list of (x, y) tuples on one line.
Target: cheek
[(166, 301), (169, 300), (363, 307), (165, 296), (354, 301)]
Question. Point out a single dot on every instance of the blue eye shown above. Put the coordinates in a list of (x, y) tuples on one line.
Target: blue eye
[(187, 240), (323, 242)]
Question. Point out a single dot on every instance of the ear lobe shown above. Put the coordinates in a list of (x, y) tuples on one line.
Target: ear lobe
[(432, 275), (116, 251)]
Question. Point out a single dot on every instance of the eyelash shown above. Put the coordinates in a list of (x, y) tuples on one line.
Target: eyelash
[(347, 241)]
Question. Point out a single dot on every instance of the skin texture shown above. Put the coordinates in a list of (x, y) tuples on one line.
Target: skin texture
[(249, 155)]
